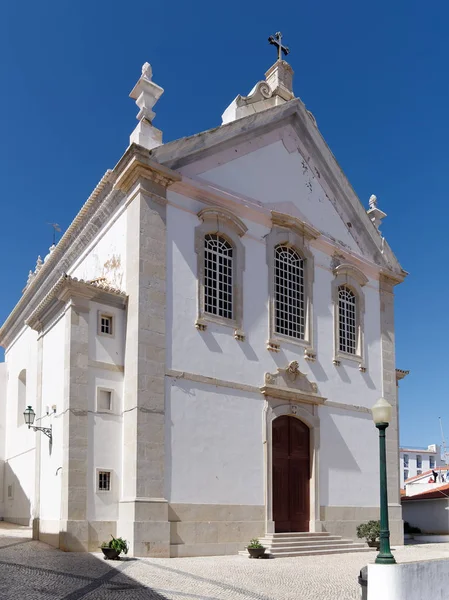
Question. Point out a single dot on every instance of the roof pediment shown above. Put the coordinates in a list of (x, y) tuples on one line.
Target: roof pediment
[(298, 132)]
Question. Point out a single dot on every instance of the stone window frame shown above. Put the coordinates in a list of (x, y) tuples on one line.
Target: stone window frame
[(97, 480), (219, 221), (298, 238), (353, 278), (100, 314), (101, 388)]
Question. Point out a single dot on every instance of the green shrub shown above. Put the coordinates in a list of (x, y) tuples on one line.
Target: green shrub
[(370, 531), (254, 543)]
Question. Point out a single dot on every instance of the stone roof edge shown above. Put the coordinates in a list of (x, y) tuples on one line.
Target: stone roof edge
[(88, 289), (61, 248), (107, 195)]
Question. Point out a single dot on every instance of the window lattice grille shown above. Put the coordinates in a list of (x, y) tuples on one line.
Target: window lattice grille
[(218, 276), (106, 324), (289, 293), (104, 481), (347, 320)]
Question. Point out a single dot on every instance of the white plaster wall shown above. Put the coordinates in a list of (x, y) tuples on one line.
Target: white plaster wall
[(105, 348), (214, 445), (20, 441), (423, 580), (106, 256), (349, 466), (275, 177), (105, 428), (53, 364), (3, 384), (105, 445), (349, 443), (215, 352)]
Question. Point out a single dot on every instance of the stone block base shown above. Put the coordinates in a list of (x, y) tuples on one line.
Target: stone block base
[(343, 520), (213, 529)]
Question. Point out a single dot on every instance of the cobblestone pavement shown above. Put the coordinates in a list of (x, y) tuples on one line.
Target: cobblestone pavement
[(32, 570)]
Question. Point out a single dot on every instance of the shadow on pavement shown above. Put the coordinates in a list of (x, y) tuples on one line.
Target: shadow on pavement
[(33, 570)]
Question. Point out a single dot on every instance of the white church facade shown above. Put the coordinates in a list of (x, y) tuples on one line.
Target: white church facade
[(206, 342)]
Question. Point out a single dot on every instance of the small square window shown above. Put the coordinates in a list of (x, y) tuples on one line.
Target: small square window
[(419, 472), (105, 324), (104, 481), (10, 491), (104, 400)]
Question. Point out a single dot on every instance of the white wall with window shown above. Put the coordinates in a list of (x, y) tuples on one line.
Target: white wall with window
[(415, 461)]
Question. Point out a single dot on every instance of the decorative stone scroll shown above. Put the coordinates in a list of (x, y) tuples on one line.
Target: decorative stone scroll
[(290, 383)]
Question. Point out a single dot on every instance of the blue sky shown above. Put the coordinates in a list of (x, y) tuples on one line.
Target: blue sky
[(373, 74)]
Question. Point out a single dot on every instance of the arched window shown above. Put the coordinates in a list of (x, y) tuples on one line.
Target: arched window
[(218, 276), (221, 263), (290, 314), (349, 310), (21, 396), (347, 324)]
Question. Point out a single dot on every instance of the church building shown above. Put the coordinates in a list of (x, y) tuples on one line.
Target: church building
[(201, 349)]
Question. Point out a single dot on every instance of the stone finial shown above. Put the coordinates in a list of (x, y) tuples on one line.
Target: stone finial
[(39, 264), (50, 250), (30, 277), (146, 93), (375, 214)]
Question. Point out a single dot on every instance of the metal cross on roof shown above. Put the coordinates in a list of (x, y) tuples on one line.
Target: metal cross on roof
[(276, 40)]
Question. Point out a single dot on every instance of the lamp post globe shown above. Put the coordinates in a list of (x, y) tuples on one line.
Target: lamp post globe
[(382, 416), (29, 416), (382, 412)]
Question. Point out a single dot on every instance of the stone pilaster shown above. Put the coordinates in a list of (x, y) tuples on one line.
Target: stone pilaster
[(143, 509), (37, 460), (389, 392), (74, 526)]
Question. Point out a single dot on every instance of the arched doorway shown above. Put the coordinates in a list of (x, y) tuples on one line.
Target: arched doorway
[(291, 474)]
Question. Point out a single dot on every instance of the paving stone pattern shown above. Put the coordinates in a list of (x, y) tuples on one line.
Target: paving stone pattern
[(32, 570)]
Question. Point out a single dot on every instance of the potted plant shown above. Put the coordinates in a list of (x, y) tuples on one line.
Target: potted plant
[(371, 532), (114, 548), (255, 548)]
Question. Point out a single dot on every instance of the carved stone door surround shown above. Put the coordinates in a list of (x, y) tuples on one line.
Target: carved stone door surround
[(289, 392)]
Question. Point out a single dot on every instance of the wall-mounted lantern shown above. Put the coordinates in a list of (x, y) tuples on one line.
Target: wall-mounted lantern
[(29, 415)]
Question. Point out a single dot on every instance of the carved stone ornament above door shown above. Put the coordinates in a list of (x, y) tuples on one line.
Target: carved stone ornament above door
[(291, 384)]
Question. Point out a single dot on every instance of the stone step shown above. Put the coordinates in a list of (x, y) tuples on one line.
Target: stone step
[(307, 543), (342, 550), (295, 540), (337, 545), (300, 534)]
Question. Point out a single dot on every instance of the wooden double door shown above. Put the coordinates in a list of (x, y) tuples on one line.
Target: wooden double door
[(291, 474)]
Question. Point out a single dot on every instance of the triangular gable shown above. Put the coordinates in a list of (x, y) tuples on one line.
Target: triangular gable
[(296, 128)]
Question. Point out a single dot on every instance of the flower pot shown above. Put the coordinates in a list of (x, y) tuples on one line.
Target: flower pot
[(110, 553), (374, 544), (256, 552)]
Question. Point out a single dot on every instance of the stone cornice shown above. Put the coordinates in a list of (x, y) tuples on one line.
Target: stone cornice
[(70, 287), (400, 374), (136, 164), (81, 231), (300, 227)]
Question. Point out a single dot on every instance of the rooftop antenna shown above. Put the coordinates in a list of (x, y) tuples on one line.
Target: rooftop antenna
[(443, 441), (56, 228)]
